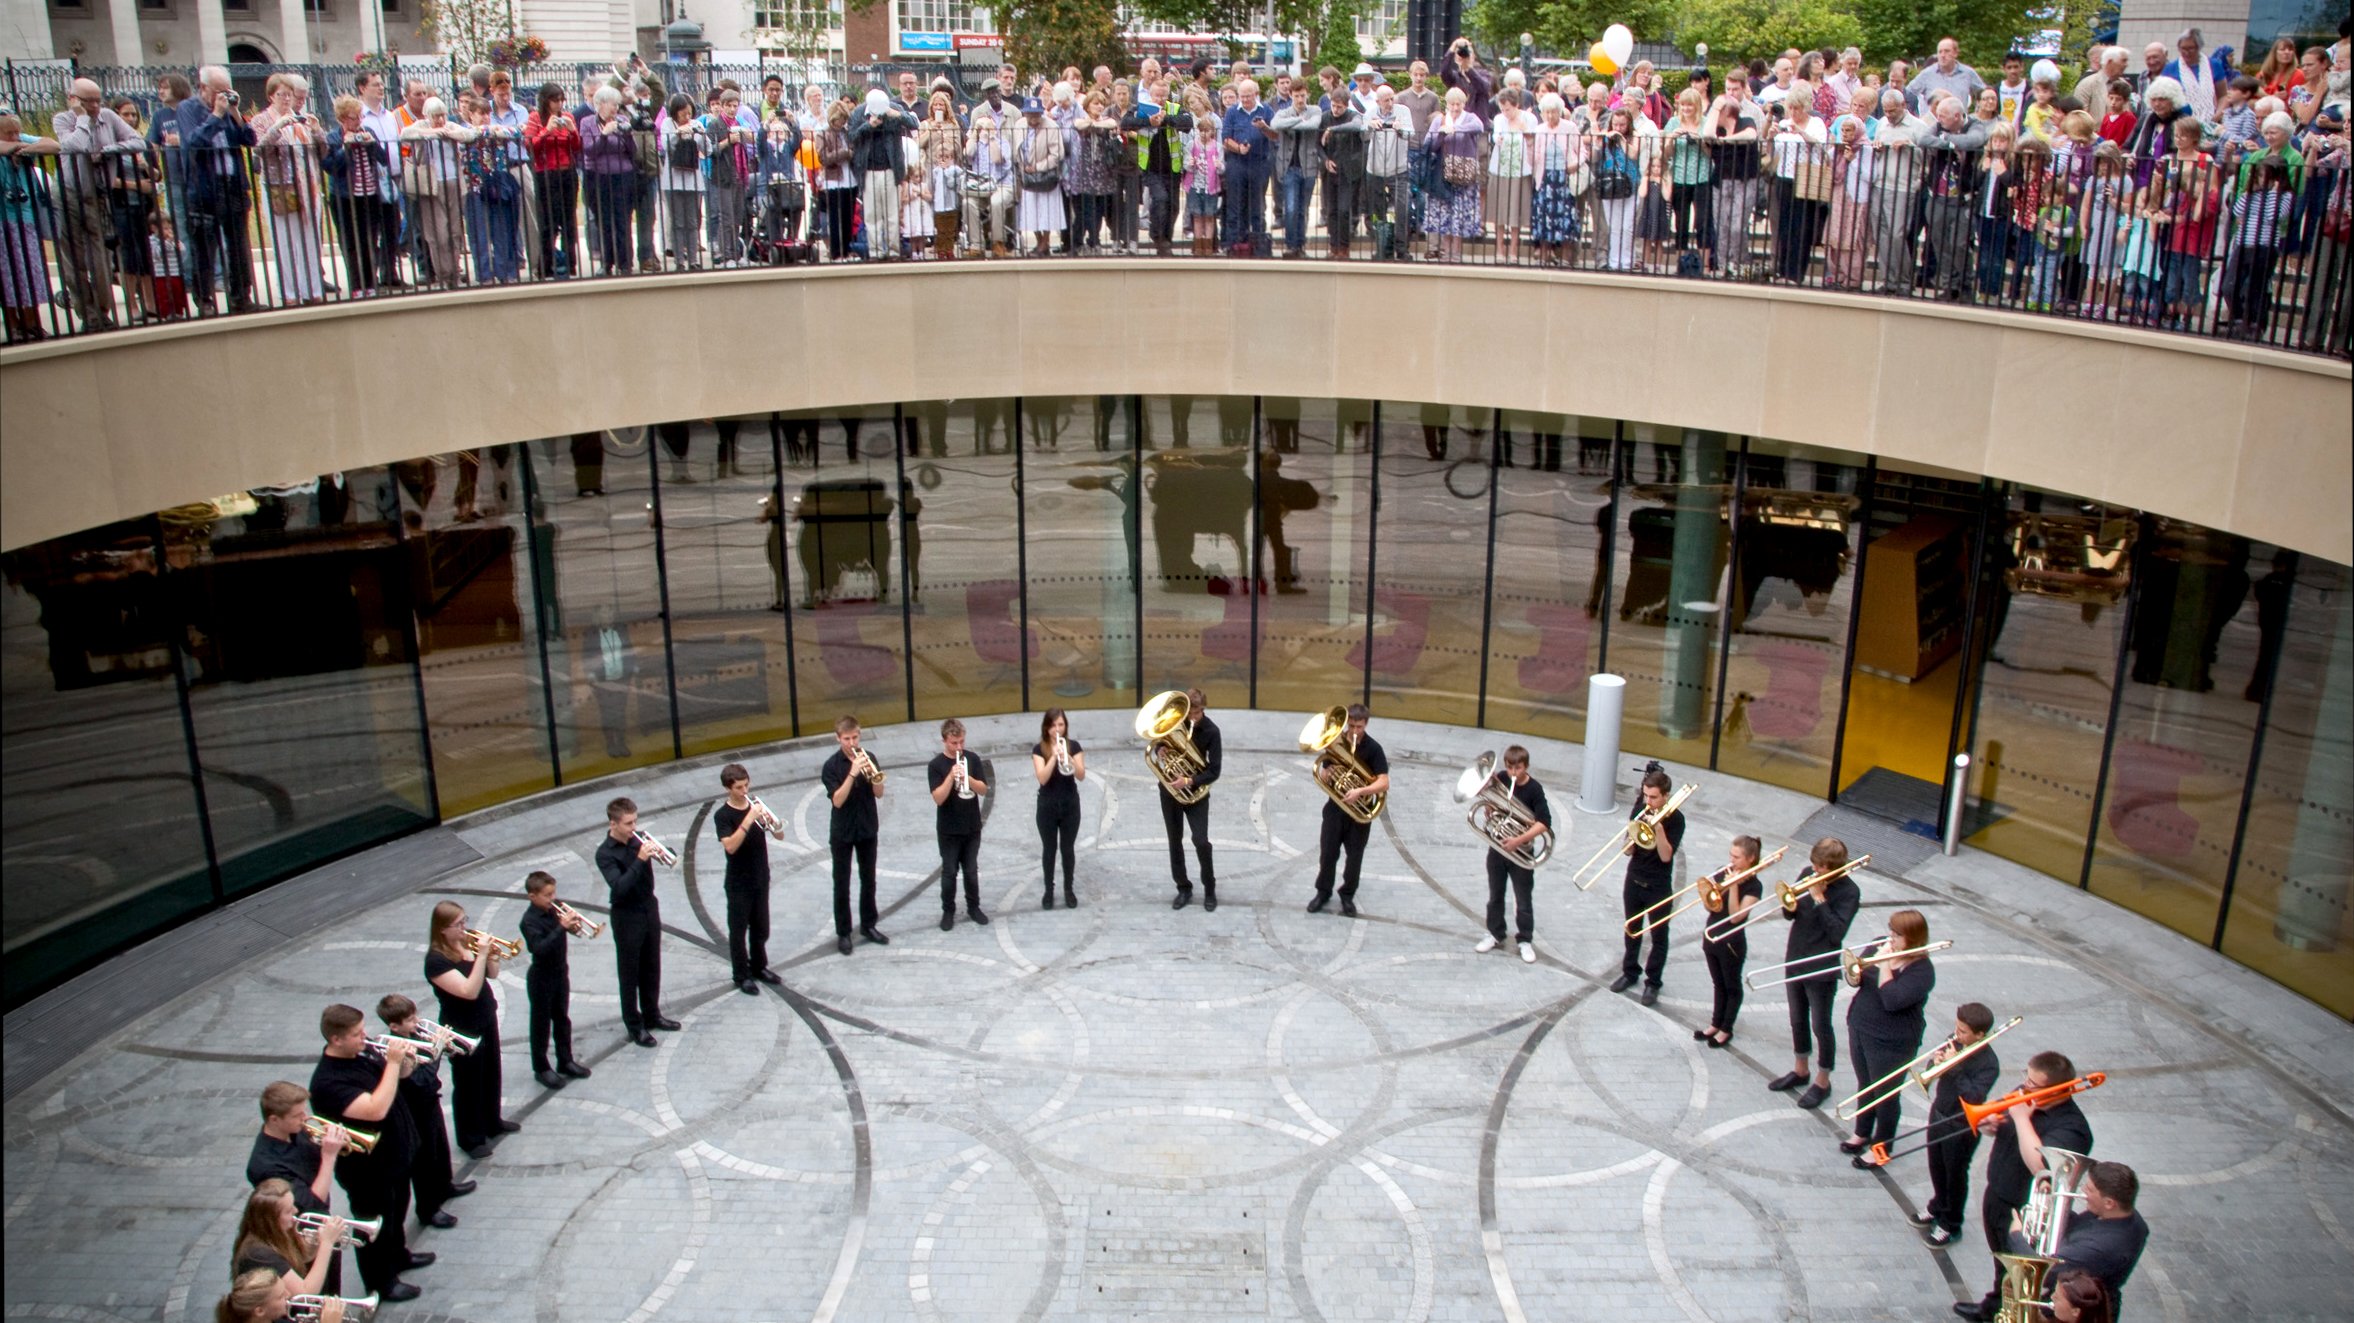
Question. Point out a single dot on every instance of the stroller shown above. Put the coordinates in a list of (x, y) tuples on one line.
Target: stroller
[(778, 205)]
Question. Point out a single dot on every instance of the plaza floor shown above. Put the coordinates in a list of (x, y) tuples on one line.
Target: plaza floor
[(1121, 1112)]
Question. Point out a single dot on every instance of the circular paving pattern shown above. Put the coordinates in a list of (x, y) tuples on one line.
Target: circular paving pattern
[(1124, 1112)]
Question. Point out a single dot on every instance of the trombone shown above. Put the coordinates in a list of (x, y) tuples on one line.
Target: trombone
[(1850, 961), (1324, 736), (320, 1308), (357, 1231), (358, 1141), (1643, 827), (662, 854), (763, 818), (1916, 1071), (506, 948), (1786, 895), (1706, 891), (1975, 1114), (572, 918)]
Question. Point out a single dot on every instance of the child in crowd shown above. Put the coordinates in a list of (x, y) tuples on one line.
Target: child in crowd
[(1205, 160), (2258, 215), (163, 255)]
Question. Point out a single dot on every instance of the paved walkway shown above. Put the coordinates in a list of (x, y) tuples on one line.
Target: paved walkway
[(1121, 1112)]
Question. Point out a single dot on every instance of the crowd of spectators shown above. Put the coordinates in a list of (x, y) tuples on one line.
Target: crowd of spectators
[(2184, 194)]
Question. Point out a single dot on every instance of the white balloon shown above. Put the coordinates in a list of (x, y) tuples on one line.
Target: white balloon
[(1619, 43)]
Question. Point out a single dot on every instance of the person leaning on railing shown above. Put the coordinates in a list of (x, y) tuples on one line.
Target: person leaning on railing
[(25, 219), (436, 188), (93, 142), (609, 164), (359, 197), (289, 141), (553, 139)]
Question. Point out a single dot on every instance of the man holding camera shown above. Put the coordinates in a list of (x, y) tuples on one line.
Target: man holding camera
[(215, 138)]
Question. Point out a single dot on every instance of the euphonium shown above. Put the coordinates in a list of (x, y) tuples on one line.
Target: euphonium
[(358, 1141), (507, 947), (1326, 736), (1160, 723), (2042, 1223), (1498, 817)]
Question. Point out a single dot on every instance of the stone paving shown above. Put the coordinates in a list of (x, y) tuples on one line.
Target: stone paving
[(1121, 1112)]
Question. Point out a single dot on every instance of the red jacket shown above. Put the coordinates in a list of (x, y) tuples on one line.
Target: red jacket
[(555, 147)]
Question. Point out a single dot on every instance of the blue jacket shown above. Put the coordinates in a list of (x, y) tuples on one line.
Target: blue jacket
[(209, 141), (1250, 128)]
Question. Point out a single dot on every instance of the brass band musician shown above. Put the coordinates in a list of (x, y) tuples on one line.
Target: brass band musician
[(1827, 904), (1724, 955), (1060, 764), (957, 787), (852, 785), (625, 858), (743, 835), (1650, 877), (548, 928), (1504, 872), (2020, 1135), (285, 1151), (352, 1089), (1196, 815), (1341, 831), (1953, 1143)]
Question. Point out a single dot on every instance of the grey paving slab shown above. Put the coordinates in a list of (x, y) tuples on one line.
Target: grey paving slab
[(1124, 1112)]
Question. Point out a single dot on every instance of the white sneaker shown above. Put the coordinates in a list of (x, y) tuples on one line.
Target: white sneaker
[(1486, 944), (1528, 954)]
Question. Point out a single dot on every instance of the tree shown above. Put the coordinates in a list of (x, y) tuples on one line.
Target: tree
[(1333, 40), (1910, 29), (1566, 27), (1047, 36), (1749, 29), (466, 28), (802, 33)]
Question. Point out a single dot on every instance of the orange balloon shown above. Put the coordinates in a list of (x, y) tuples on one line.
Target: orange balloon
[(1601, 61)]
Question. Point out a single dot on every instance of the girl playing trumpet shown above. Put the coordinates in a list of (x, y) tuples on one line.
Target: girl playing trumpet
[(461, 972)]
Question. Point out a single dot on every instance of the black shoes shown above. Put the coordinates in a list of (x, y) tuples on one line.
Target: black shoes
[(572, 1068), (1861, 1164), (507, 1127), (438, 1218), (874, 935), (977, 917), (549, 1079), (1070, 899), (842, 944), (1210, 900), (1650, 994), (481, 1152), (1922, 1221), (948, 921), (1622, 983), (1703, 1035), (1184, 898), (1785, 1083), (1048, 902), (748, 988), (461, 1189), (1853, 1146), (666, 1025), (1317, 905), (397, 1292), (642, 1038), (418, 1259), (770, 977), (1348, 908), (1813, 1097)]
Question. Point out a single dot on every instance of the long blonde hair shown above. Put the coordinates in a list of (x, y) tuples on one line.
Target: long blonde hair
[(263, 1225), (445, 914), (248, 1296)]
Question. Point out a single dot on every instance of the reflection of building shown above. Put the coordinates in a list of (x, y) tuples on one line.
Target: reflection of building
[(940, 29), (179, 33)]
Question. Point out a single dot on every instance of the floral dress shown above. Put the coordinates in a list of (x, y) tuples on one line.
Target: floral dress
[(1453, 210), (1554, 216)]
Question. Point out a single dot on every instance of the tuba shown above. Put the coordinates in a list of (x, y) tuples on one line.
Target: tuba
[(1160, 723), (1498, 817), (1326, 736)]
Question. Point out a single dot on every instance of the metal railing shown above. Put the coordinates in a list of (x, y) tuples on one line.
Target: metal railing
[(2248, 245)]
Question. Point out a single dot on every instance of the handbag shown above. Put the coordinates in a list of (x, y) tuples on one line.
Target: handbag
[(1614, 185), (1461, 171), (1044, 180), (979, 187), (1812, 181)]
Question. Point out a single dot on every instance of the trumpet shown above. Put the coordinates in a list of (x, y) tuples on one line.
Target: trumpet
[(662, 854), (459, 1043), (315, 1308), (1325, 736), (1975, 1114), (862, 765), (506, 948), (1706, 892), (1643, 827), (1918, 1071), (1851, 962), (419, 1048), (1168, 751), (1786, 895), (358, 1141), (1498, 817), (572, 918), (358, 1230), (1062, 756), (765, 819), (964, 779)]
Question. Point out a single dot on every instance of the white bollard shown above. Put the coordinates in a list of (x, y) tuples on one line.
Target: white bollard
[(1955, 802), (1606, 701)]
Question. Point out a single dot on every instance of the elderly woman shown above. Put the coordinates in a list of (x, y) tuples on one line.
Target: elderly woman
[(989, 186), (436, 188), (1802, 184), (24, 218), (1452, 211), (1094, 143), (2203, 75), (685, 141), (608, 157), (288, 141), (1036, 146), (1847, 241), (2153, 134), (1511, 171), (837, 181), (1558, 154)]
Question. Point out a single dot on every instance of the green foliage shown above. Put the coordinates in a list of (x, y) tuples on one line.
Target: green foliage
[(1333, 40), (1567, 28), (1749, 29), (1909, 29), (1047, 35)]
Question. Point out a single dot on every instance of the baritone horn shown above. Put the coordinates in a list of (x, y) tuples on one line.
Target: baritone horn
[(1706, 892), (1924, 1070), (662, 854), (357, 1230), (580, 925), (765, 820), (1498, 817), (1326, 736), (506, 948), (1643, 828), (1168, 751), (358, 1141)]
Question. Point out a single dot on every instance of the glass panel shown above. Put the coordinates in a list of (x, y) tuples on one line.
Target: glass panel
[(1315, 502), (724, 553), (1792, 593), (1431, 558), (1080, 505), (472, 574), (2053, 593), (296, 608), (965, 604), (1552, 512), (842, 507), (1196, 544), (2184, 727), (2289, 907), (601, 605), (1670, 565), (90, 715)]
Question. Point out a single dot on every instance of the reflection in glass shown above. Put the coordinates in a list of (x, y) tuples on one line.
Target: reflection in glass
[(1552, 514), (1200, 607), (474, 594), (1080, 533), (1315, 507), (1424, 659), (972, 647), (1673, 544), (1799, 533), (722, 557), (844, 535), (97, 802), (302, 684), (2289, 905)]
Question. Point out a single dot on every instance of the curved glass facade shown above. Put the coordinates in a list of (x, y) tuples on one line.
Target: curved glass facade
[(214, 697)]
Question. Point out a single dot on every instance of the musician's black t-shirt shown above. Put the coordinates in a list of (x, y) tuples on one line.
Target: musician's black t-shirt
[(336, 1083), (1057, 788), (294, 1161), (472, 1016), (748, 866), (855, 819), (2063, 1126), (958, 816), (1644, 867), (1368, 752)]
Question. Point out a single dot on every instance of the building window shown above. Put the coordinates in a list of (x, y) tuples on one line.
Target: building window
[(237, 6), (795, 15), (941, 16), (70, 8), (323, 10), (155, 8)]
